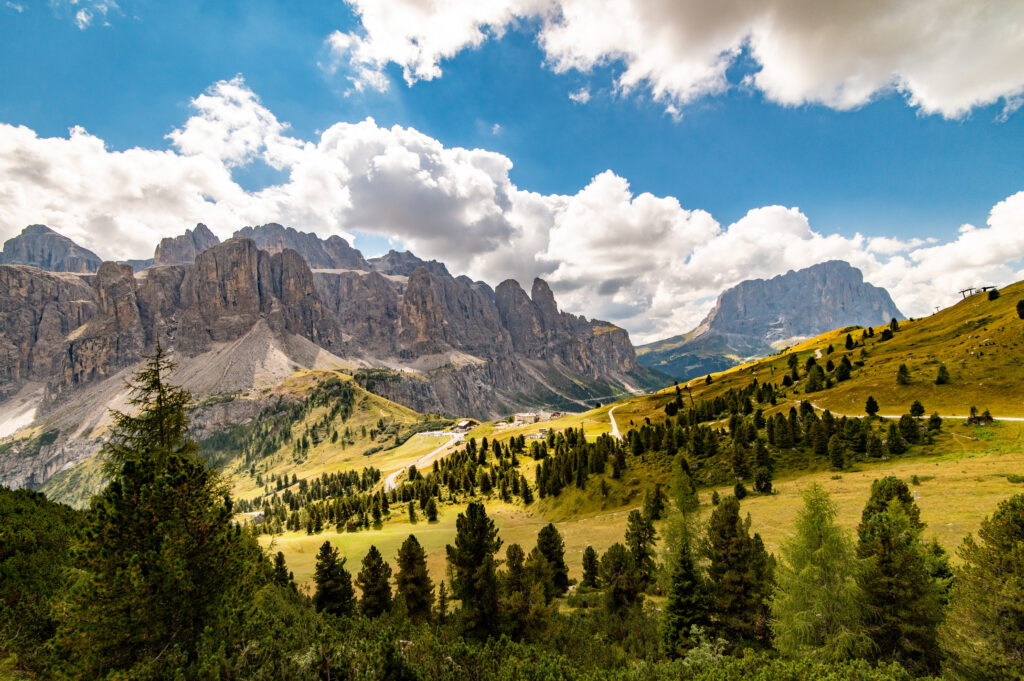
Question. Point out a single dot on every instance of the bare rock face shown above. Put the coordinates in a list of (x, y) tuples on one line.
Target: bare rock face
[(331, 254), (367, 306), (749, 317), (404, 263), (183, 249), (40, 246), (39, 310), (111, 340)]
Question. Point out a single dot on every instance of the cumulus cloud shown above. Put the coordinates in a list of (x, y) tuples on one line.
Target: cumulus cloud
[(944, 56), (643, 261), (581, 96)]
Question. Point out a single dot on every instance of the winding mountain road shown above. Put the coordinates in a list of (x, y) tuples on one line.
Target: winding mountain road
[(391, 481), (615, 427)]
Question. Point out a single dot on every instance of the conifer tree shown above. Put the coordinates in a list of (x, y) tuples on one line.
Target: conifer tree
[(619, 579), (280, 574), (984, 629), (740, 573), (590, 568), (895, 442), (552, 547), (871, 407), (334, 593), (442, 603), (942, 378), (158, 552), (837, 452), (431, 511), (876, 449), (374, 581), (412, 581), (903, 610), (817, 607), (685, 491), (473, 569), (903, 375), (689, 600), (640, 538)]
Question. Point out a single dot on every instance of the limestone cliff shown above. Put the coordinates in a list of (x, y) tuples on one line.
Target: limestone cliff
[(333, 253), (755, 315), (40, 246), (183, 249)]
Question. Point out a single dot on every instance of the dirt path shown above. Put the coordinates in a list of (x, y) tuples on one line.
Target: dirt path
[(391, 480), (615, 427)]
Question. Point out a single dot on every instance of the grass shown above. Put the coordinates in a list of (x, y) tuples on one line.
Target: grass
[(957, 488)]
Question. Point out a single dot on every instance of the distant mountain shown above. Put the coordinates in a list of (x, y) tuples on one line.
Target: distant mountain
[(183, 249), (237, 318), (333, 253), (405, 263), (755, 317), (39, 246)]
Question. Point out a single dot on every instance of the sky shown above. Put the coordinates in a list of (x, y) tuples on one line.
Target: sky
[(640, 155)]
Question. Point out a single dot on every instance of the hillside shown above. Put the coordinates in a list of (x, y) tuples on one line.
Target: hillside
[(757, 316), (960, 471)]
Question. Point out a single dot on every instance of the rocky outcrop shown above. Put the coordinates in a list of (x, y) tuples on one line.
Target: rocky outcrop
[(111, 340), (367, 306), (183, 249), (404, 263), (750, 317), (333, 253), (39, 246), (39, 310)]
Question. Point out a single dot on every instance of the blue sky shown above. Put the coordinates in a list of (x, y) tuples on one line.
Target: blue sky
[(884, 168)]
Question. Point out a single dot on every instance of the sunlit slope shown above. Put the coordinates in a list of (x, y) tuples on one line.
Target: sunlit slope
[(980, 341)]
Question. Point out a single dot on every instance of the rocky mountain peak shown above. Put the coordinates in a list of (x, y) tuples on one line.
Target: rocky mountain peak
[(404, 263), (330, 254), (39, 246), (183, 249)]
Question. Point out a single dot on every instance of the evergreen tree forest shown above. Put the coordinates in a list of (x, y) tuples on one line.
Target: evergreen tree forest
[(155, 580)]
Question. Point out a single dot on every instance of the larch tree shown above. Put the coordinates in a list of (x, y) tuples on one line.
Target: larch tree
[(473, 569), (817, 609), (374, 582), (412, 581)]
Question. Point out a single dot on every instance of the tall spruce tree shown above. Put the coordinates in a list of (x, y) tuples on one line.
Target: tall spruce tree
[(412, 581), (334, 593), (374, 581), (817, 607), (903, 607), (473, 570), (159, 552), (590, 568), (620, 580), (984, 629), (740, 572), (689, 599), (552, 547), (640, 538)]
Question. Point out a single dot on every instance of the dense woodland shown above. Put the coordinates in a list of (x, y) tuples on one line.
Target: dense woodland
[(156, 581)]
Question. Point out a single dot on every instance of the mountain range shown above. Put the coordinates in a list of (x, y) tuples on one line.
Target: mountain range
[(245, 314), (758, 316)]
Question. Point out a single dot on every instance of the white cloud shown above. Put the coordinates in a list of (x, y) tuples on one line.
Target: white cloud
[(496, 129), (83, 18), (636, 259), (15, 6), (944, 56), (581, 96)]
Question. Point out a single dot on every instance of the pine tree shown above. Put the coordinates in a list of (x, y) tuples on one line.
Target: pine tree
[(917, 409), (902, 601), (871, 407), (903, 375), (640, 538), (984, 629), (688, 604), (158, 551), (280, 574), (817, 608), (685, 491), (740, 573), (619, 579), (552, 547), (849, 342), (334, 593), (1020, 309), (431, 511), (837, 452), (876, 449), (895, 442), (590, 568), (473, 569), (374, 581), (412, 582), (942, 378)]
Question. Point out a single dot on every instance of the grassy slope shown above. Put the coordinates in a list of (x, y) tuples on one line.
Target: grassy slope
[(961, 479)]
